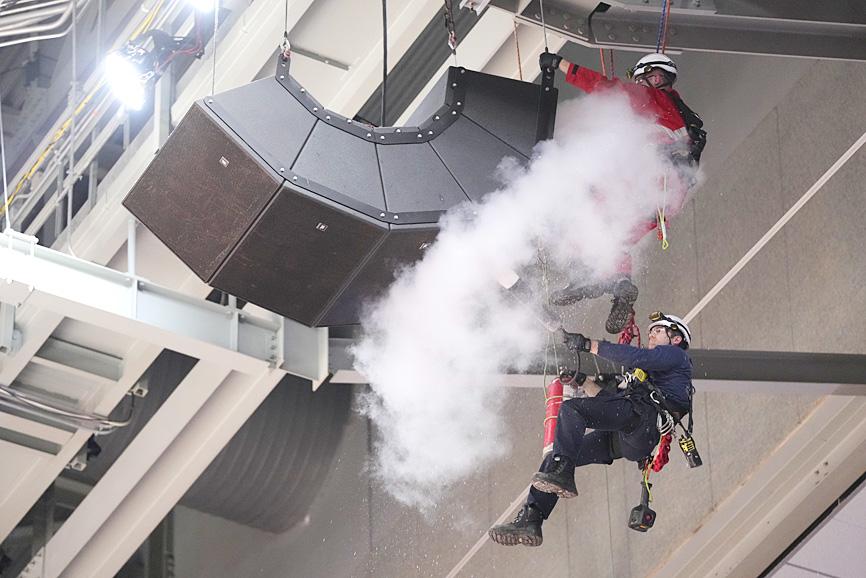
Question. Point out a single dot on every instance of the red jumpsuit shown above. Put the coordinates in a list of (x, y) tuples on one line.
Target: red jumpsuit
[(658, 105)]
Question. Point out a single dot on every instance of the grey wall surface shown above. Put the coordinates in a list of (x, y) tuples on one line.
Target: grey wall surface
[(843, 533), (804, 291)]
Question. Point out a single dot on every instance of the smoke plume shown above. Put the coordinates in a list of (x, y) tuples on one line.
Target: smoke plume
[(435, 343)]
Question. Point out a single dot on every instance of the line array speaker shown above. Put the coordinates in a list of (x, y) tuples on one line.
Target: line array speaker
[(267, 195)]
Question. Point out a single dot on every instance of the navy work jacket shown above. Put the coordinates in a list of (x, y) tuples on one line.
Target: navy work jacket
[(668, 366)]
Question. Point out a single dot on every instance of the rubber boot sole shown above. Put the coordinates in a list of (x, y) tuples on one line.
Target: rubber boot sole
[(514, 537), (565, 297), (543, 484), (624, 298)]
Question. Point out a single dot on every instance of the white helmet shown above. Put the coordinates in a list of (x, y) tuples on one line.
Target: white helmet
[(660, 319), (651, 61)]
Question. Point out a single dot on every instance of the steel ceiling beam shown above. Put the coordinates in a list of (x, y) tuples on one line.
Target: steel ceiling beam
[(492, 30), (27, 472), (156, 469), (121, 302), (625, 26), (714, 370)]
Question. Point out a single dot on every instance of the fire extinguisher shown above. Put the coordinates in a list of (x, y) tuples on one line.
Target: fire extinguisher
[(562, 388)]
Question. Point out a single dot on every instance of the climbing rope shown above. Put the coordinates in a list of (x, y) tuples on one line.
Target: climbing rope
[(646, 471), (545, 281), (661, 39), (630, 331), (660, 215), (667, 11)]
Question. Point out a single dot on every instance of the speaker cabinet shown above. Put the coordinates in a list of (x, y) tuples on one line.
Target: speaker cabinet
[(267, 195)]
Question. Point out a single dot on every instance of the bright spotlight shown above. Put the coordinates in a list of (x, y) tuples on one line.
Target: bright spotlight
[(125, 79), (203, 6)]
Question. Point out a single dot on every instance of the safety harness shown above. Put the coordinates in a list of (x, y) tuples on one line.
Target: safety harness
[(694, 128), (642, 517)]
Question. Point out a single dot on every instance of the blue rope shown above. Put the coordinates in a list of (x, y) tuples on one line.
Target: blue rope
[(661, 25)]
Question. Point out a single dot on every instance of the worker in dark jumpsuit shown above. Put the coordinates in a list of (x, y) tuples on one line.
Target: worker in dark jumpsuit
[(623, 423)]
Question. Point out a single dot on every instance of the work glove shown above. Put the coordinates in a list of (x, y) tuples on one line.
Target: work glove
[(573, 341), (549, 60)]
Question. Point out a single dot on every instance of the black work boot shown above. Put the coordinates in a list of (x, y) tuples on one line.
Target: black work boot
[(573, 293), (525, 529), (557, 479), (624, 297)]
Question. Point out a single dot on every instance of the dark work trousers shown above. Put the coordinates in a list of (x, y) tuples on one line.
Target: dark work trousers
[(624, 427)]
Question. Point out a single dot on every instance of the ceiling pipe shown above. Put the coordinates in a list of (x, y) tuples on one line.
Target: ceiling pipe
[(31, 7), (37, 13), (59, 21)]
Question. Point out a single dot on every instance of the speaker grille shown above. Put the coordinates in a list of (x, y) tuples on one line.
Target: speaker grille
[(202, 192), (296, 258), (404, 246)]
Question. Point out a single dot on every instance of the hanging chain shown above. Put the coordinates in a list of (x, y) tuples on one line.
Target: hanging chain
[(286, 47), (449, 26)]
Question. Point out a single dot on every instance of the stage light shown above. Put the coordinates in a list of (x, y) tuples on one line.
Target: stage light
[(126, 78), (203, 6)]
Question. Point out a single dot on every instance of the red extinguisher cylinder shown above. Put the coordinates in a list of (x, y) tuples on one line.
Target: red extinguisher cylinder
[(553, 394)]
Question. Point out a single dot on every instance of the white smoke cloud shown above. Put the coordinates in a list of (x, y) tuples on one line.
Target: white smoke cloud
[(434, 344)]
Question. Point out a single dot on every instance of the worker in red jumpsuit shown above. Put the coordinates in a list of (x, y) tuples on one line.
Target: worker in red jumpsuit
[(651, 94)]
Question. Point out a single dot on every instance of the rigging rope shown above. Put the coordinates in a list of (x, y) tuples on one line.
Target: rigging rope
[(543, 24), (384, 59), (6, 198), (73, 97), (216, 23), (667, 22), (662, 20), (517, 45)]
